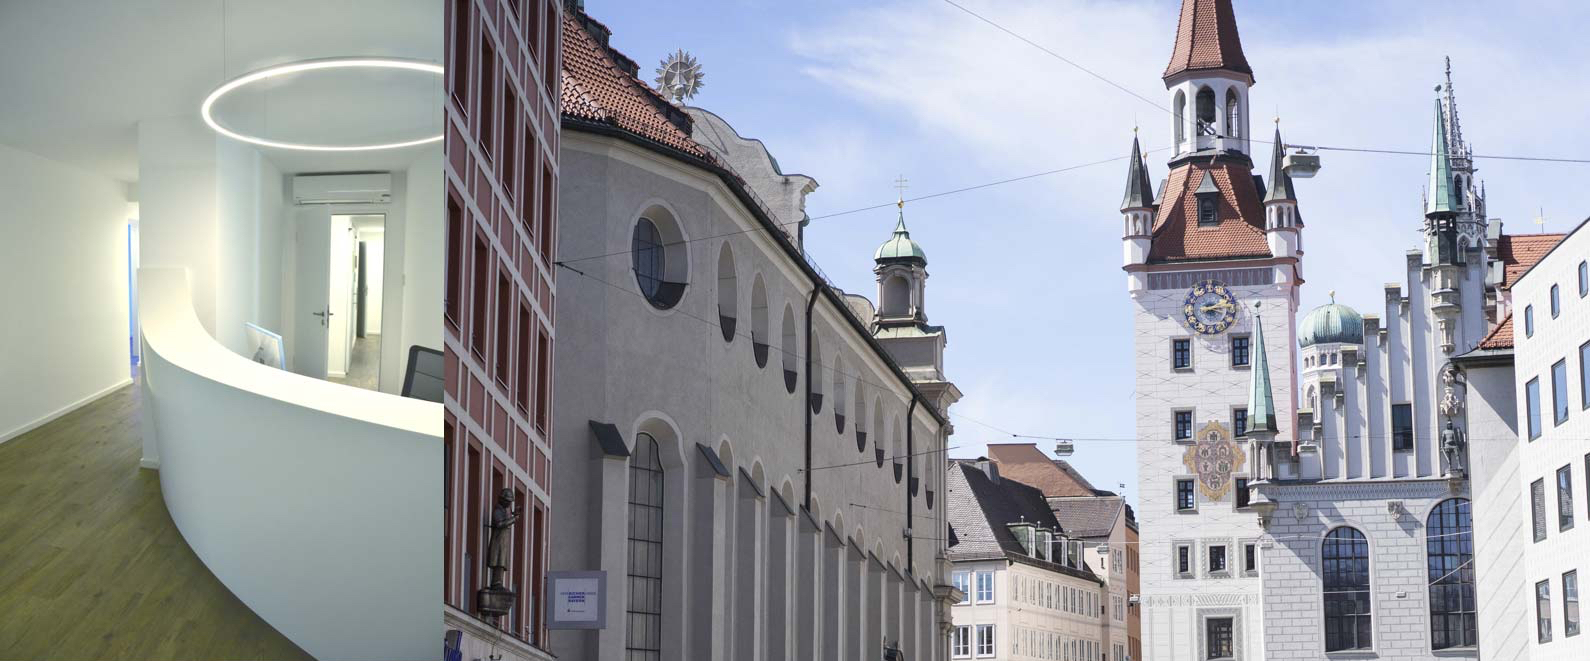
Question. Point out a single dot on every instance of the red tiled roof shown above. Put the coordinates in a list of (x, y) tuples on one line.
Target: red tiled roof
[(1501, 337), (1024, 463), (1520, 252), (1206, 38), (596, 88), (1240, 232)]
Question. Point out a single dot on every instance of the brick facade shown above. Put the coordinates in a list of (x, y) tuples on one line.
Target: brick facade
[(501, 169)]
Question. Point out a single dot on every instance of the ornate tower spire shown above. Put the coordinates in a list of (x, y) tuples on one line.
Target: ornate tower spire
[(1206, 38), (1261, 401), (1441, 196), (1454, 130)]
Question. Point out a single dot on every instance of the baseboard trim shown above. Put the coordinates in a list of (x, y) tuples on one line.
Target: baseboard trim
[(63, 411), (151, 464)]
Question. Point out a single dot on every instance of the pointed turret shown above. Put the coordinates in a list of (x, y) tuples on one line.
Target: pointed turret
[(1440, 196), (1261, 402), (1139, 191), (1280, 188), (900, 247)]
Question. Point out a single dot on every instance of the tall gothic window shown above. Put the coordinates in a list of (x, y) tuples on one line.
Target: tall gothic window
[(1181, 115), (1205, 103), (1449, 545), (645, 552), (1233, 114), (1345, 558)]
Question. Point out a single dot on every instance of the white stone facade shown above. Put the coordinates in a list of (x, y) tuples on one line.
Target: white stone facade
[(1175, 605), (766, 551), (1554, 448), (1034, 613)]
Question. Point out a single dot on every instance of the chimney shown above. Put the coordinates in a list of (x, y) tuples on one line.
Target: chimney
[(989, 468)]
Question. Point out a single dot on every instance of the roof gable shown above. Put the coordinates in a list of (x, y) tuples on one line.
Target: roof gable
[(1520, 252), (1500, 337), (1025, 463), (1239, 233)]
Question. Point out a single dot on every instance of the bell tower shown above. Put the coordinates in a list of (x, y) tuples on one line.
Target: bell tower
[(1209, 81)]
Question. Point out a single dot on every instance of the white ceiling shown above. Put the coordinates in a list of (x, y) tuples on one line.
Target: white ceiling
[(78, 75)]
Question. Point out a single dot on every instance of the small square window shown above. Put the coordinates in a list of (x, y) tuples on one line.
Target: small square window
[(1219, 639), (963, 582), (1184, 560), (1186, 501), (1181, 354), (1239, 422), (1401, 427), (1184, 425), (1206, 211), (1250, 559), (1217, 559), (985, 587), (1242, 492), (1239, 350)]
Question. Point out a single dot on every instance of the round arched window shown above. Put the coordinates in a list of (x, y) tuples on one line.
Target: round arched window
[(655, 249)]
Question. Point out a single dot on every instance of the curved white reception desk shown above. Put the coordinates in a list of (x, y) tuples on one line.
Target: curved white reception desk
[(318, 505)]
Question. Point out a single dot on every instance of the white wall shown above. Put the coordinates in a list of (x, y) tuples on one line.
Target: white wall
[(177, 189), (63, 288), (318, 505), (417, 278), (341, 322), (249, 234), (375, 262)]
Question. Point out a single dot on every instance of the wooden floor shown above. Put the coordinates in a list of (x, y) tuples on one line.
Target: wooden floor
[(91, 566)]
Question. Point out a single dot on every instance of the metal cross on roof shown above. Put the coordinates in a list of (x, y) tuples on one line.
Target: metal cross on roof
[(900, 184)]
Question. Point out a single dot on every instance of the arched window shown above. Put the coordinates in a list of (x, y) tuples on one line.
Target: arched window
[(861, 415), (1233, 114), (1344, 557), (728, 292), (789, 349), (759, 337), (896, 296), (1206, 110), (648, 256), (1449, 547), (1181, 116), (645, 550), (815, 374), (1457, 190), (841, 400)]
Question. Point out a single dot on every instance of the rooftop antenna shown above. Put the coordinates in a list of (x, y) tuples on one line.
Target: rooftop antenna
[(1541, 220)]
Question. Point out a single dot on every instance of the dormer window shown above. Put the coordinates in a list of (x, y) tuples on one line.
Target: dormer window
[(1207, 195), (1206, 211), (1025, 534), (1041, 549)]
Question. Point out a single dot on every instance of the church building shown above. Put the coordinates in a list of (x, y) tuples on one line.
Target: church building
[(753, 457)]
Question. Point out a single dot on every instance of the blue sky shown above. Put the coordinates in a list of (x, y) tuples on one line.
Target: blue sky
[(1026, 276)]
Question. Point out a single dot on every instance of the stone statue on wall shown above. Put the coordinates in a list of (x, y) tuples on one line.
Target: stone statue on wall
[(503, 517)]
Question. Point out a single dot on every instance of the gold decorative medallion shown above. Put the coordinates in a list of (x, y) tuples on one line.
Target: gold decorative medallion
[(1213, 458)]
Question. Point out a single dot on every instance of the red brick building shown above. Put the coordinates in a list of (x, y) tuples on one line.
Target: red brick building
[(501, 168)]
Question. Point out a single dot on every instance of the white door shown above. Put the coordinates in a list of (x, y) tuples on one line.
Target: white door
[(312, 292)]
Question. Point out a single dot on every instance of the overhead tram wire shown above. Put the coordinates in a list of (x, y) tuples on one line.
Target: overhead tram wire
[(836, 214)]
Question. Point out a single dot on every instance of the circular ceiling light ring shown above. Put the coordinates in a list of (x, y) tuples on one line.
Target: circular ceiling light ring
[(314, 65)]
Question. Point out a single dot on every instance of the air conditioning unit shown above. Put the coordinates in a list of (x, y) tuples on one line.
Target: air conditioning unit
[(369, 188)]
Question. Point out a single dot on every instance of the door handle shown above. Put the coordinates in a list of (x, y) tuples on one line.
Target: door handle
[(325, 317)]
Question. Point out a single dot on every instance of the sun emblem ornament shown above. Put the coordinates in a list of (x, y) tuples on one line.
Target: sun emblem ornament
[(1213, 458), (679, 76)]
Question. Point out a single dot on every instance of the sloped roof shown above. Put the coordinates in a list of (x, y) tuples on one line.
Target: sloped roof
[(1206, 38), (1087, 517), (1500, 337), (1025, 463), (1520, 252), (1240, 231), (981, 510), (597, 88)]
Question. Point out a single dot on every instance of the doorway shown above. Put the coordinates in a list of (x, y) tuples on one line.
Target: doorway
[(132, 295), (358, 252)]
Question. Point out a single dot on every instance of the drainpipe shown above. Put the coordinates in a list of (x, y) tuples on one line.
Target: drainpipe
[(910, 453), (806, 405)]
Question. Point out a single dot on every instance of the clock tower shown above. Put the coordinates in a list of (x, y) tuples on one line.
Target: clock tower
[(1210, 253)]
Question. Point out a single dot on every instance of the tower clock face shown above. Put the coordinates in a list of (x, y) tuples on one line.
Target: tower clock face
[(1210, 307)]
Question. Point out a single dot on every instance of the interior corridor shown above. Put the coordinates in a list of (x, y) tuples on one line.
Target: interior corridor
[(93, 565), (364, 366)]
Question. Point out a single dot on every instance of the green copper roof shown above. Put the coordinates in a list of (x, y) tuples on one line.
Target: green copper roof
[(1139, 192), (900, 246), (1261, 405), (1441, 198), (1280, 184), (1330, 323)]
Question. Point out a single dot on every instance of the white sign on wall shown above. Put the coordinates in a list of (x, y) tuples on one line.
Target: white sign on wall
[(577, 600)]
